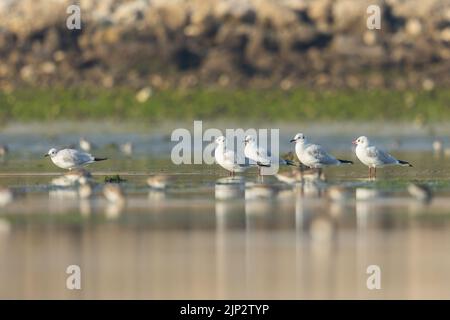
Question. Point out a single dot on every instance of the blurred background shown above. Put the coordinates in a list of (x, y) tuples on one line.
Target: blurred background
[(287, 59), (138, 69)]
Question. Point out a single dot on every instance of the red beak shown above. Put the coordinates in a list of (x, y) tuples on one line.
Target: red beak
[(354, 142)]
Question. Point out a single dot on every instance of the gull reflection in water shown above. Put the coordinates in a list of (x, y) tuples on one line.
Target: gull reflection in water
[(230, 216), (62, 200), (340, 200), (322, 229), (230, 205), (68, 188), (63, 194), (230, 188), (315, 246), (310, 189), (368, 204), (260, 199), (72, 178), (315, 218)]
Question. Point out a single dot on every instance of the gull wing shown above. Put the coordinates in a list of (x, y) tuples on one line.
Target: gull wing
[(74, 156), (256, 154), (231, 159), (229, 156), (380, 155), (318, 153), (261, 153)]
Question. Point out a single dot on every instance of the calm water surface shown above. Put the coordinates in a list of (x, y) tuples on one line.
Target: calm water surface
[(205, 239)]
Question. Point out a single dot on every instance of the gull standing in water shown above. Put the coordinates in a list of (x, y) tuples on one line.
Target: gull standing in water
[(255, 153), (71, 158), (227, 159), (314, 155), (373, 157)]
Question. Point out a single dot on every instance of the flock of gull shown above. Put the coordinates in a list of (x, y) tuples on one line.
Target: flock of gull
[(312, 158)]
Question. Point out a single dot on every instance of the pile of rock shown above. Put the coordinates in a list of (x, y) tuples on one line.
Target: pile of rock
[(262, 43)]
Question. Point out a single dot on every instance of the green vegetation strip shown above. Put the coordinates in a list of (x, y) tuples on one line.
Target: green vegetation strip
[(273, 104)]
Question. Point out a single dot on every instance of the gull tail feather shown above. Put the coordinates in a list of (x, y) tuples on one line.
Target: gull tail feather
[(100, 159), (345, 161), (404, 163), (263, 164), (289, 162)]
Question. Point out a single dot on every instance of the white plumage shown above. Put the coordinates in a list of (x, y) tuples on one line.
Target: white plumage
[(374, 157), (71, 158), (227, 159), (314, 155), (255, 153)]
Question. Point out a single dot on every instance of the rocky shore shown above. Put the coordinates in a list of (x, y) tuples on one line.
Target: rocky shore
[(228, 43)]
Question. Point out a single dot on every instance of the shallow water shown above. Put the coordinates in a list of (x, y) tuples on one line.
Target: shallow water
[(190, 242)]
